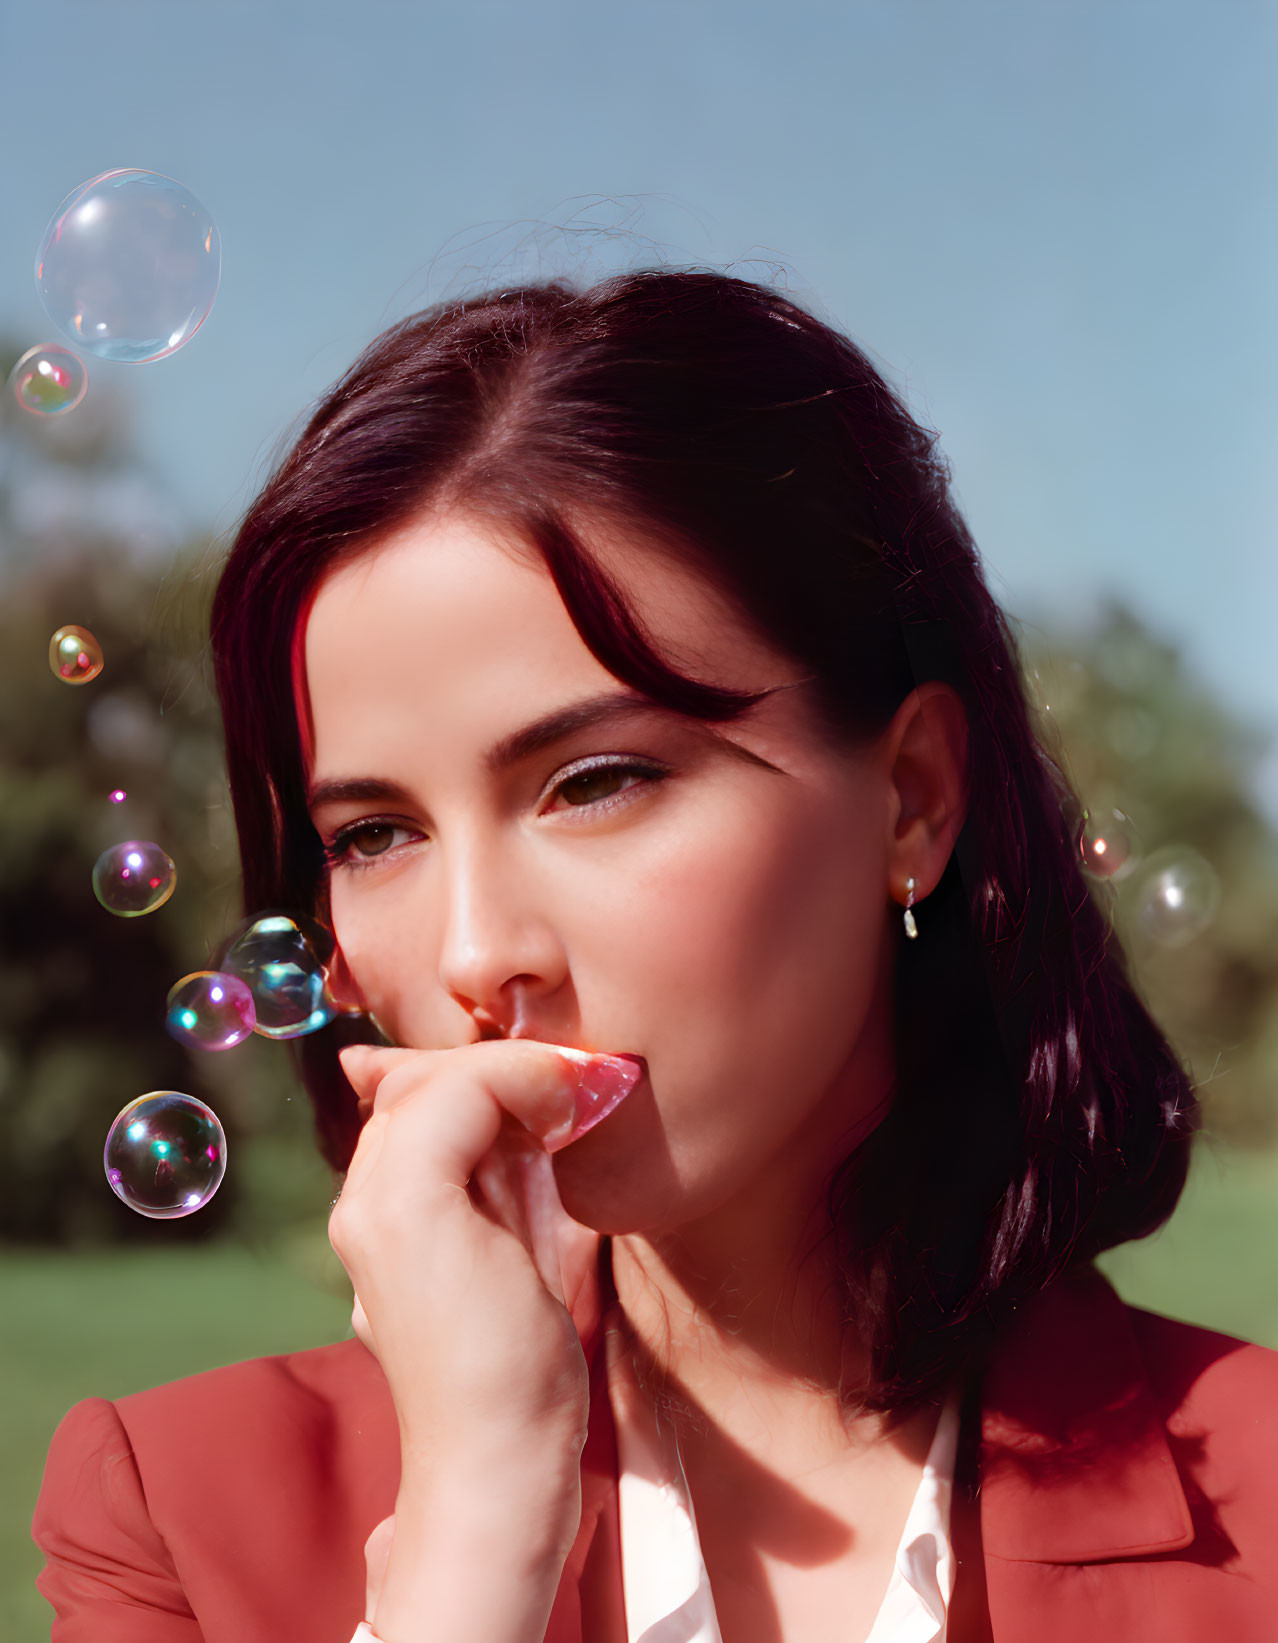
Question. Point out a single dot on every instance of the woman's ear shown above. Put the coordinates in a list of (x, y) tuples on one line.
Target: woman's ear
[(925, 748)]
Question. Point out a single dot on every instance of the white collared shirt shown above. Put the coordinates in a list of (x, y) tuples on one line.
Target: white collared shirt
[(666, 1586)]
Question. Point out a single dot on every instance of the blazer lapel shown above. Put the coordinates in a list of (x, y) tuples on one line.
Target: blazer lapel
[(1063, 1462), (1075, 1465)]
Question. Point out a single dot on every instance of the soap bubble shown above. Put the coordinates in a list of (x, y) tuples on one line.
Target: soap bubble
[(49, 380), (1177, 897), (281, 956), (133, 878), (1108, 844), (75, 655), (210, 1010), (165, 1155), (129, 265)]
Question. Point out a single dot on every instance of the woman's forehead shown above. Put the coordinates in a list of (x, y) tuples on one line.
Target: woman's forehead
[(456, 598)]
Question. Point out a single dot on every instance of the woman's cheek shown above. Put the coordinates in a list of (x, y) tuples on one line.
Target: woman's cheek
[(374, 963), (772, 960)]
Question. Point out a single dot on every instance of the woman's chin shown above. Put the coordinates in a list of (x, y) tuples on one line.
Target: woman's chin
[(612, 1187)]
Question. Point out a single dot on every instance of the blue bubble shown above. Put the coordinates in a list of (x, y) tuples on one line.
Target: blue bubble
[(129, 266), (281, 958)]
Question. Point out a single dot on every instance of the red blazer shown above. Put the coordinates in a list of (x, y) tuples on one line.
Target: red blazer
[(1120, 1486)]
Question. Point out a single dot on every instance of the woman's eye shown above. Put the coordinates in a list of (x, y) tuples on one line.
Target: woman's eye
[(597, 786), (364, 841)]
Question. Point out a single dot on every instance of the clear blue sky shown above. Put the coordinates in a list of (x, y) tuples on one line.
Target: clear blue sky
[(1052, 220)]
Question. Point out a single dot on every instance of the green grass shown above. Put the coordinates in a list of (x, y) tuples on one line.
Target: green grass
[(78, 1325), (1216, 1260)]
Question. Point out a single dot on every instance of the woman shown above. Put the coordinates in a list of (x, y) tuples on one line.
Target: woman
[(612, 671)]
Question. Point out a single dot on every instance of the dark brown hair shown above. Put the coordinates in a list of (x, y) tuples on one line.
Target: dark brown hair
[(1040, 1115)]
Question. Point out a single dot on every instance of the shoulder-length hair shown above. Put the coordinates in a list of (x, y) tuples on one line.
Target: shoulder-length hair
[(1040, 1116)]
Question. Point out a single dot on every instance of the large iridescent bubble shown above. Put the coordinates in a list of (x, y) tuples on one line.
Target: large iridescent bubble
[(281, 956), (210, 1010), (165, 1155), (133, 878), (49, 380), (129, 266)]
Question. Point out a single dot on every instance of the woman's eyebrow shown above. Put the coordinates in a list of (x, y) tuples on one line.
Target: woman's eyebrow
[(609, 708), (360, 790), (563, 722), (512, 749)]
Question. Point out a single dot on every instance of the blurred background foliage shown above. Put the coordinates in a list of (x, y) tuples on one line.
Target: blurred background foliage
[(1136, 732), (82, 992)]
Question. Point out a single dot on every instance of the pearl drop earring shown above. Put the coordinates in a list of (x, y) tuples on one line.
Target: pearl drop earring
[(911, 928)]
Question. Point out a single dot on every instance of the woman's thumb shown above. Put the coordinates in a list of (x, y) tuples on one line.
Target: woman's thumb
[(376, 1556)]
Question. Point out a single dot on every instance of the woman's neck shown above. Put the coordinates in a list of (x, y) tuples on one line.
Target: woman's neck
[(740, 1318)]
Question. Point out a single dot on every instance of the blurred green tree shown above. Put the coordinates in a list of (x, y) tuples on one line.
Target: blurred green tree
[(82, 992), (1138, 732)]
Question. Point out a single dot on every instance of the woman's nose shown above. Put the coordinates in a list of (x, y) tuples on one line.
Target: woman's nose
[(493, 935)]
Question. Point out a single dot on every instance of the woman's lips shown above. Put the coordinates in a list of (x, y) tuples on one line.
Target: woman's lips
[(605, 1082)]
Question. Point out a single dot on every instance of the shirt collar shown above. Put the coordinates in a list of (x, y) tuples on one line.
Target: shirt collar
[(917, 1601)]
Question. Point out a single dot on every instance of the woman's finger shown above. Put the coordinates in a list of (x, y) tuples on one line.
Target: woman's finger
[(499, 1194), (544, 1215), (359, 1326), (365, 1071), (555, 1093)]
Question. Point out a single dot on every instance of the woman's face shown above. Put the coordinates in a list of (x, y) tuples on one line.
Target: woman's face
[(714, 899)]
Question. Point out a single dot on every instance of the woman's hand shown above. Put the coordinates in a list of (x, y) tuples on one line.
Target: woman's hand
[(463, 1260), (465, 1268)]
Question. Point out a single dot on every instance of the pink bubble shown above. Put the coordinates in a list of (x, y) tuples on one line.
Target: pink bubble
[(210, 1010)]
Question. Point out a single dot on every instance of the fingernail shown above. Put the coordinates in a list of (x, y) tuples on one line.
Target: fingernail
[(605, 1082)]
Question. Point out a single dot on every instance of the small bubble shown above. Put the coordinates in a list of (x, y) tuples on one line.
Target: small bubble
[(210, 1010), (133, 878), (165, 1155), (1108, 844), (49, 380), (75, 655)]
